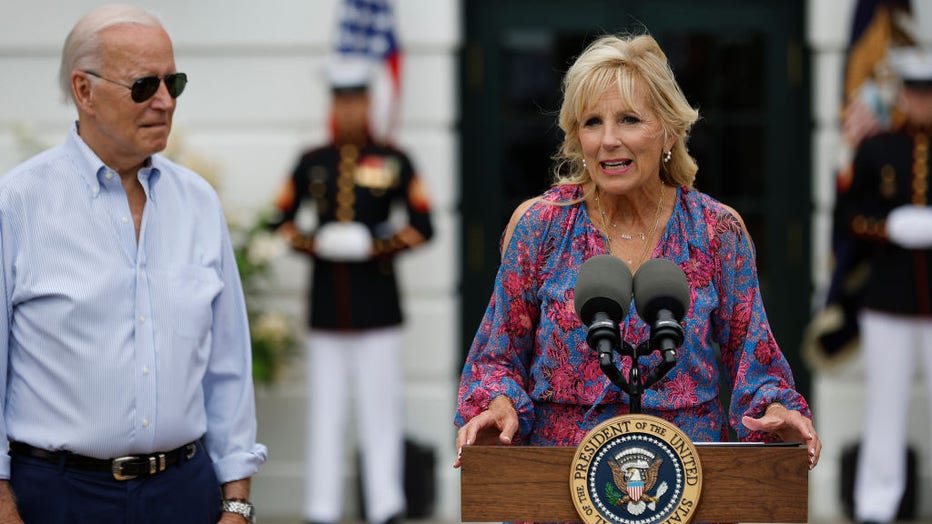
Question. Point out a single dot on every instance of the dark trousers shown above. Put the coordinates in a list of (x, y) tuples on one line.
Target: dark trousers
[(47, 493)]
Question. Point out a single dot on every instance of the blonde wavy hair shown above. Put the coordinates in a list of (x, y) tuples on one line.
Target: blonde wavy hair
[(629, 63)]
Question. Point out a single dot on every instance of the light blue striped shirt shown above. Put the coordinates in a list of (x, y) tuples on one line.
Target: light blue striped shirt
[(109, 347)]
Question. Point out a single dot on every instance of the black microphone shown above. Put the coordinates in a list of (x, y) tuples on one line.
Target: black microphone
[(601, 299), (661, 297)]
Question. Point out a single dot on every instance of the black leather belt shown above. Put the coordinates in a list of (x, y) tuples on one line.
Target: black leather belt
[(122, 468)]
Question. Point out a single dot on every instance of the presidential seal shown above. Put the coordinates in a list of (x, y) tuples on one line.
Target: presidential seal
[(636, 469)]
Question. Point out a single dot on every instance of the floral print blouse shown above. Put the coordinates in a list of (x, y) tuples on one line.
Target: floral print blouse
[(532, 347)]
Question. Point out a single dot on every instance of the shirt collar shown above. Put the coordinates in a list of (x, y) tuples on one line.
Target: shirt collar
[(94, 172)]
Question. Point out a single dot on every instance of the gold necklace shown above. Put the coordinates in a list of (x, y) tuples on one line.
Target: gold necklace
[(624, 236), (643, 236)]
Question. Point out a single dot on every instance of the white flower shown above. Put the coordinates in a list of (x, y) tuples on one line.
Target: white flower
[(273, 327), (265, 247)]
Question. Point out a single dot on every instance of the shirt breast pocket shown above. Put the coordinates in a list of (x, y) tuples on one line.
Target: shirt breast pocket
[(193, 291)]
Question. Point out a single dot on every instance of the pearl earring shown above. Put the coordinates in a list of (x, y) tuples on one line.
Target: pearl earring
[(584, 165), (667, 156)]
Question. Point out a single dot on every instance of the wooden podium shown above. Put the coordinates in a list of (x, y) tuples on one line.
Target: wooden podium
[(740, 483)]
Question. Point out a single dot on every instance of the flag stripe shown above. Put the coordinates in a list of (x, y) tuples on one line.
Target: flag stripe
[(367, 29)]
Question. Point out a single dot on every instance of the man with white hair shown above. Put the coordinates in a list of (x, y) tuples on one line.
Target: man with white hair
[(125, 367), (889, 206)]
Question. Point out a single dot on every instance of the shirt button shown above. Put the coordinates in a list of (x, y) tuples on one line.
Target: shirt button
[(109, 175), (124, 219), (142, 319), (145, 422), (145, 370)]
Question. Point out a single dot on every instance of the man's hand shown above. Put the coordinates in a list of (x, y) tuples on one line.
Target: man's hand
[(231, 518), (8, 512), (236, 489)]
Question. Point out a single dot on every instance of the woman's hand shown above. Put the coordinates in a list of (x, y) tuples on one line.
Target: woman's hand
[(496, 425), (790, 426)]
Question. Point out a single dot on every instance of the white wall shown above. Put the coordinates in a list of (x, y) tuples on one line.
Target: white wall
[(255, 99), (838, 396)]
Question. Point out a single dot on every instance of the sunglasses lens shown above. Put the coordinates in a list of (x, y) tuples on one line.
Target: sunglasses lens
[(175, 83), (144, 88)]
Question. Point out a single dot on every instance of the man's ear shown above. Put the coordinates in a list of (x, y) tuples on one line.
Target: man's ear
[(81, 91)]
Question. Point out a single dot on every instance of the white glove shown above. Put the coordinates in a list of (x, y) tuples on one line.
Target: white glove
[(910, 227), (343, 242)]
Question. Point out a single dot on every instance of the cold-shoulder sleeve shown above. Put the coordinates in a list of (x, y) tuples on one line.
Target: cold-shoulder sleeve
[(755, 367), (499, 358)]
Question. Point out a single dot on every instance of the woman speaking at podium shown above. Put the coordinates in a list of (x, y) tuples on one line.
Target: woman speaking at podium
[(624, 187)]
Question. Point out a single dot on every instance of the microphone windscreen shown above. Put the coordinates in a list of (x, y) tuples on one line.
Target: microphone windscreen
[(660, 284), (603, 285)]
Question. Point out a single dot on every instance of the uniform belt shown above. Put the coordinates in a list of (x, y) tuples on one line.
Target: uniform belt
[(122, 468)]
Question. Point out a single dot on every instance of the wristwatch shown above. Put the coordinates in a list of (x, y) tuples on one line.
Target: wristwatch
[(241, 507)]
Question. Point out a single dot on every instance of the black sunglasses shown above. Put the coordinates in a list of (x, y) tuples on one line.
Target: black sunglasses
[(143, 88)]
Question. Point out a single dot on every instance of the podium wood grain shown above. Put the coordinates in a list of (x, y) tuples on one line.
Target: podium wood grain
[(740, 483)]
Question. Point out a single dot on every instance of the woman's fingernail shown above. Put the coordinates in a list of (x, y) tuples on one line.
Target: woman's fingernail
[(506, 438)]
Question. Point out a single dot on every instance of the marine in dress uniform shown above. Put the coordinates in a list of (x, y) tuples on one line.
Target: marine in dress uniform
[(888, 206), (355, 314)]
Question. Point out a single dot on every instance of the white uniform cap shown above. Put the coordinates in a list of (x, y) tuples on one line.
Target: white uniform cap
[(349, 72), (912, 64)]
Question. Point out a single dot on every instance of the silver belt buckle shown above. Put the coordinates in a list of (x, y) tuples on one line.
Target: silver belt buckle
[(116, 467)]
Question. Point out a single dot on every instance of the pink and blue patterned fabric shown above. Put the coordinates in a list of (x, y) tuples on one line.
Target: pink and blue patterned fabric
[(532, 347)]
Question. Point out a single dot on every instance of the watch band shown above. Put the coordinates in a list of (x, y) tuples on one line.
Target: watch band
[(239, 507)]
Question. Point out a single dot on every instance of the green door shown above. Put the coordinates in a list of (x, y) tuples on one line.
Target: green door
[(740, 62)]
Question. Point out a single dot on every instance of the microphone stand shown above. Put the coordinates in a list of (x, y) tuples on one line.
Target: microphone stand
[(634, 386)]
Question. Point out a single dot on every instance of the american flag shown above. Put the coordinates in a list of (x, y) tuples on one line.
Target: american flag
[(367, 29)]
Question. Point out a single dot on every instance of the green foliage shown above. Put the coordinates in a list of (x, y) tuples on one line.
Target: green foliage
[(273, 334), (613, 496)]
